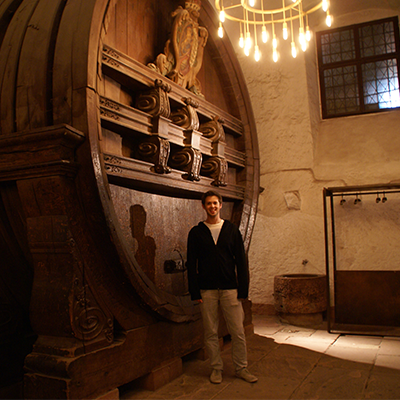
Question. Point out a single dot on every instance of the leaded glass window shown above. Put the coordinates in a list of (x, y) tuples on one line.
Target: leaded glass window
[(359, 68)]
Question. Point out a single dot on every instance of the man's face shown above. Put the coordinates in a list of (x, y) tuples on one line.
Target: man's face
[(212, 206)]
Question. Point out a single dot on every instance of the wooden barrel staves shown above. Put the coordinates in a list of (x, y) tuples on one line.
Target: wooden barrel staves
[(116, 115)]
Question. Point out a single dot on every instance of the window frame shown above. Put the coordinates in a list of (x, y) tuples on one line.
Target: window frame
[(358, 61)]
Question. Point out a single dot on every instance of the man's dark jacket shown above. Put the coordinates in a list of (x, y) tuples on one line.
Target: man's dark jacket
[(216, 266)]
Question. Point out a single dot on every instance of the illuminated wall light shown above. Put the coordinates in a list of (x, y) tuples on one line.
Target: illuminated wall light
[(247, 51), (222, 16), (264, 34), (252, 3), (275, 55)]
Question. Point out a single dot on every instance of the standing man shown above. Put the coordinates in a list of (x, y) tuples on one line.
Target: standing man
[(218, 276)]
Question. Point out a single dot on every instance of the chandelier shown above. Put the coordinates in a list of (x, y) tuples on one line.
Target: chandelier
[(254, 17)]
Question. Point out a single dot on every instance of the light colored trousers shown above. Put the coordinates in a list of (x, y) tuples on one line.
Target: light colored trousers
[(232, 310)]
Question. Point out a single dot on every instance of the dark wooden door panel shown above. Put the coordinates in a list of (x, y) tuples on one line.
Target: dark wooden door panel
[(367, 298)]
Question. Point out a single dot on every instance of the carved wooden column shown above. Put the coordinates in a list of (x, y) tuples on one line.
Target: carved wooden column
[(156, 149), (189, 158), (68, 317), (216, 166)]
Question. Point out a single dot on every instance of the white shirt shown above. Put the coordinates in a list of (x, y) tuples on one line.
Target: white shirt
[(215, 229)]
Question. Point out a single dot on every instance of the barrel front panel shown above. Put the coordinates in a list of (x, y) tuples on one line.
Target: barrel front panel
[(164, 144)]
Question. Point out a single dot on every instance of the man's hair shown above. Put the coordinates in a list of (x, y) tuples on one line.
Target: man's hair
[(209, 194)]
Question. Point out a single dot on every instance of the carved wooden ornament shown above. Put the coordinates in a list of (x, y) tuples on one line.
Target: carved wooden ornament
[(183, 52)]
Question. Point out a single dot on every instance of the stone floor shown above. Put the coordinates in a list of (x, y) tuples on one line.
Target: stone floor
[(295, 363)]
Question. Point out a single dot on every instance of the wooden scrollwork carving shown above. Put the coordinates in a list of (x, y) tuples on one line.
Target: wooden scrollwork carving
[(186, 117), (213, 130), (155, 101), (89, 321), (216, 168), (188, 160), (156, 151)]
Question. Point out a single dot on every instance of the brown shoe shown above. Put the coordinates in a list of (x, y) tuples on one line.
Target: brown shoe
[(246, 375), (216, 376)]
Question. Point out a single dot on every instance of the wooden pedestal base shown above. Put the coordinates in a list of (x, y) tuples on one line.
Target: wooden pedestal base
[(111, 395), (160, 376)]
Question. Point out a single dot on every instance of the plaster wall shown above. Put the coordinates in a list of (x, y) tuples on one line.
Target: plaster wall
[(301, 154)]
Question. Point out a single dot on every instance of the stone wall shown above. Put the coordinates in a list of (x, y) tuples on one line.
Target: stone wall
[(301, 154)]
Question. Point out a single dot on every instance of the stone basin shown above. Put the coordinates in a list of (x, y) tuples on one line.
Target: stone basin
[(300, 299)]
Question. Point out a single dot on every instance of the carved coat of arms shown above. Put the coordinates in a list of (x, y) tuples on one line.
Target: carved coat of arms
[(183, 52)]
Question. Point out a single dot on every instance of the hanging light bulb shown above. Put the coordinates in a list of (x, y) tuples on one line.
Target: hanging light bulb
[(222, 16), (247, 44), (220, 31), (308, 33), (325, 5), (274, 42), (284, 25), (294, 50), (328, 19), (301, 36), (252, 3), (274, 45), (248, 40), (285, 31), (257, 54), (241, 40), (264, 34)]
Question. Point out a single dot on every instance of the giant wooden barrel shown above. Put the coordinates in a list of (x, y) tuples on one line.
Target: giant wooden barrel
[(104, 157)]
